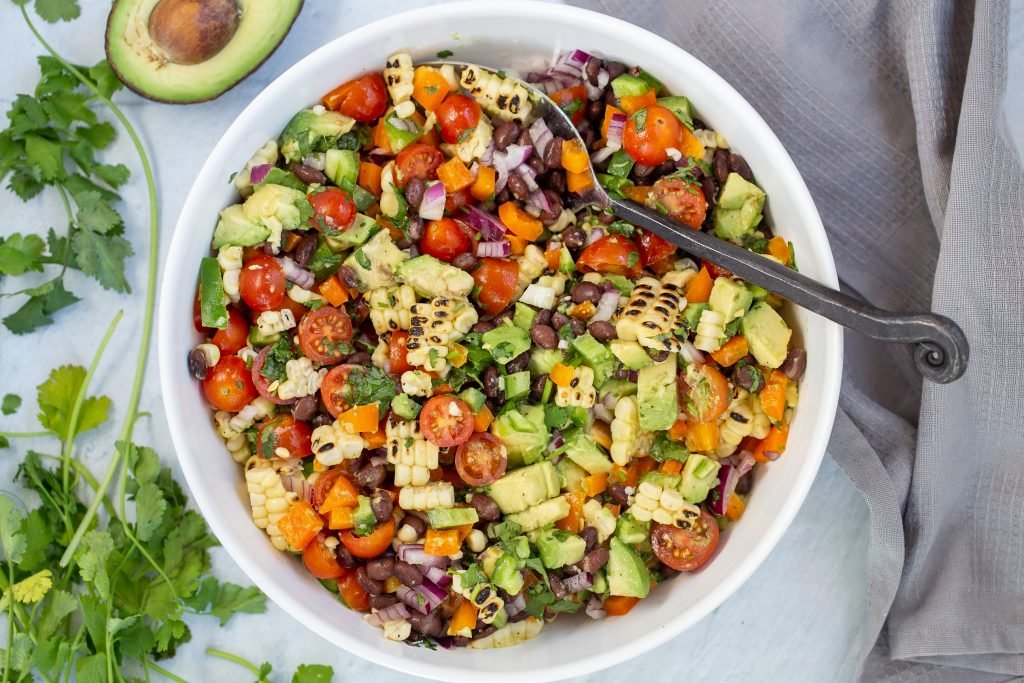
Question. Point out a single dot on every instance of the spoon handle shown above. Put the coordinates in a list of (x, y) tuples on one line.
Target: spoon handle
[(942, 349)]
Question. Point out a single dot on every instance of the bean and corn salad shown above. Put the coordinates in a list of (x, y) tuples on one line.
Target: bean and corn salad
[(468, 407)]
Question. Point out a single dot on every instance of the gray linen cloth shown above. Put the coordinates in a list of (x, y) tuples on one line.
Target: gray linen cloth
[(892, 110)]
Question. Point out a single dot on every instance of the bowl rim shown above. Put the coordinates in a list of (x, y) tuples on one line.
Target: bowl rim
[(272, 586)]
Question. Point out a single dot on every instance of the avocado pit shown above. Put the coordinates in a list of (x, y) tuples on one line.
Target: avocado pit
[(193, 31)]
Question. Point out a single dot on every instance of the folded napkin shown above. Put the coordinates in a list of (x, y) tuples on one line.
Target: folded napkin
[(893, 111)]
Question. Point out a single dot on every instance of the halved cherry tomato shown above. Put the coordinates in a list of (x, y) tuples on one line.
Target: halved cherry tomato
[(446, 421), (652, 248), (284, 431), (397, 354), (335, 391), (234, 336), (457, 116), (708, 395), (364, 98), (685, 549), (611, 254), (444, 239), (261, 284), (325, 483), (681, 200), (572, 100), (715, 271), (371, 545), (354, 595), (649, 133), (457, 200), (228, 385), (333, 210), (481, 460), (261, 383), (497, 279), (324, 335), (321, 561), (418, 161)]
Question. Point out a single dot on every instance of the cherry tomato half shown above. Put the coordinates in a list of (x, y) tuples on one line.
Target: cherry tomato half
[(611, 254), (234, 336), (324, 335), (284, 431), (397, 354), (572, 100), (354, 595), (497, 279), (714, 270), (364, 98), (335, 391), (262, 284), (228, 386), (326, 482), (481, 460), (261, 383), (418, 161), (708, 395), (333, 210), (681, 200), (685, 549), (446, 421), (652, 248), (372, 544), (457, 116), (444, 239), (649, 133), (321, 561)]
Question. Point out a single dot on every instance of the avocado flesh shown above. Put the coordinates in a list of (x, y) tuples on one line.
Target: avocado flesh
[(146, 68)]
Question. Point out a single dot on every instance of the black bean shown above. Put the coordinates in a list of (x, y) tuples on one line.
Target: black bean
[(504, 135), (537, 388), (537, 164), (414, 190), (381, 568), (592, 70), (371, 586), (403, 242), (465, 261), (589, 536), (463, 641), (409, 574), (519, 363), (382, 601), (360, 312), (744, 483), (382, 506), (634, 71), (503, 196), (586, 291), (344, 557), (554, 180), (595, 111), (543, 317), (602, 330), (614, 69), (577, 326), (517, 186), (618, 494), (446, 456), (348, 276), (573, 237), (596, 559), (483, 326), (320, 420), (610, 98), (506, 314), (557, 587), (358, 358), (490, 380), (605, 218), (484, 631), (553, 153), (559, 320), (554, 210), (524, 138), (744, 377), (544, 336), (307, 174), (589, 137), (371, 476), (642, 170), (197, 366), (304, 250), (709, 188), (304, 409), (699, 124), (657, 356), (720, 165), (795, 364), (417, 524), (738, 164), (427, 624), (485, 507)]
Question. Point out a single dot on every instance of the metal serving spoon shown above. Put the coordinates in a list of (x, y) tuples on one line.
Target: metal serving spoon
[(942, 350)]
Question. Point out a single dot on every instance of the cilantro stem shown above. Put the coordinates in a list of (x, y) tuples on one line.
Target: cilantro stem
[(163, 672), (150, 300), (10, 622), (24, 435), (213, 652)]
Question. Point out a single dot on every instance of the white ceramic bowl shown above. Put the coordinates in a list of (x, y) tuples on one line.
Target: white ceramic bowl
[(500, 34)]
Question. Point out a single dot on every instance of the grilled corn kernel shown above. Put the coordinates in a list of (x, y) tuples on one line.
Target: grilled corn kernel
[(391, 307), (661, 505), (303, 296), (760, 423), (737, 422), (302, 379), (504, 98), (230, 260), (532, 265), (436, 494), (268, 498), (398, 75), (580, 391), (331, 444), (417, 383), (247, 416), (210, 352), (628, 439), (272, 322), (397, 629), (599, 517), (411, 454), (652, 312), (710, 331), (510, 634), (433, 325)]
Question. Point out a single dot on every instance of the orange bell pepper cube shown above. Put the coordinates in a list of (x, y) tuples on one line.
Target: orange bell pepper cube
[(702, 437), (455, 176), (429, 87), (482, 419), (457, 354), (773, 396), (631, 474), (638, 193), (375, 439), (613, 508), (369, 177), (341, 518), (380, 137), (609, 113), (689, 145), (775, 442), (731, 351), (677, 432), (300, 525), (483, 186), (595, 484), (290, 239), (519, 222), (332, 290), (632, 105), (446, 541), (573, 522), (561, 374), (618, 605), (517, 245), (342, 496), (735, 507), (574, 156), (601, 433), (698, 289), (553, 257), (578, 182), (779, 248), (360, 419), (464, 619), (671, 467)]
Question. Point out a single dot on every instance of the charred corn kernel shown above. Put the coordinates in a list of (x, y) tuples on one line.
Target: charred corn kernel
[(391, 584), (532, 265), (302, 379), (389, 203), (504, 98), (411, 454), (268, 498), (652, 312), (664, 506), (473, 147), (737, 423), (397, 629), (599, 517), (303, 296), (555, 283), (381, 354), (436, 494), (406, 534), (580, 390), (331, 444), (487, 601), (248, 354), (405, 109), (267, 154), (509, 634), (710, 331), (398, 75), (210, 352), (247, 416), (760, 423), (391, 307), (564, 220), (230, 260), (417, 383), (627, 437), (272, 322), (432, 325), (476, 541)]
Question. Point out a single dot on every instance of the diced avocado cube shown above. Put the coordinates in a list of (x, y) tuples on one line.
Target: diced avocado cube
[(341, 164), (691, 314), (665, 481), (767, 334), (211, 294), (656, 85), (594, 352), (517, 385), (524, 316), (527, 486), (325, 262), (540, 515), (630, 530), (433, 278), (621, 283), (730, 298), (488, 559), (617, 388), (700, 475), (405, 407), (524, 434), (600, 583), (572, 474), (657, 395), (739, 208), (376, 262), (629, 86), (474, 398), (446, 518), (361, 230), (235, 228), (627, 574), (583, 451), (506, 574), (680, 106), (312, 131), (565, 263), (630, 354), (558, 548), (506, 342), (543, 361)]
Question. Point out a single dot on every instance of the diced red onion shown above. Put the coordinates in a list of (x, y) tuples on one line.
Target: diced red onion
[(516, 156), (594, 92), (529, 176), (691, 354), (606, 306), (603, 77), (413, 554), (257, 174), (727, 478), (489, 227), (541, 136), (609, 401), (438, 576), (413, 599), (602, 154), (516, 605), (295, 482), (578, 582), (595, 608), (432, 593), (390, 613), (293, 272), (579, 58), (540, 200), (499, 249), (557, 441), (616, 127), (593, 236), (745, 463), (488, 154), (772, 455), (633, 376), (432, 205), (602, 413)]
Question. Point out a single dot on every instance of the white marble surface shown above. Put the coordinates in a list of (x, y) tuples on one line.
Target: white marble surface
[(793, 619)]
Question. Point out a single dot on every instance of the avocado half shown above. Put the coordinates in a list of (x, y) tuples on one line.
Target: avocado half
[(184, 51)]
